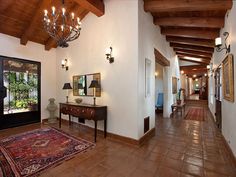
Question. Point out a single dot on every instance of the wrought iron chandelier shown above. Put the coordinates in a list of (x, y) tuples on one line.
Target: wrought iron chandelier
[(62, 26)]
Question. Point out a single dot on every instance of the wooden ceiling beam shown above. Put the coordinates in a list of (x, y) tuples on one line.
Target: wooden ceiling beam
[(206, 22), (50, 43), (193, 55), (186, 5), (191, 41), (193, 67), (203, 54), (34, 21), (200, 62), (192, 47), (95, 6), (192, 33)]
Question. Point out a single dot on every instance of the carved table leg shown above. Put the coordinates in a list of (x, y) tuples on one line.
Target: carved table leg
[(95, 131), (69, 119), (105, 128), (60, 120)]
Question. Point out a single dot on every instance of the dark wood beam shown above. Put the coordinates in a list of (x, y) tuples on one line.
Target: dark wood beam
[(192, 33), (34, 21), (193, 55), (159, 58), (191, 41), (194, 60), (193, 67), (206, 22), (192, 47), (50, 43), (200, 62), (95, 6), (186, 5), (193, 52)]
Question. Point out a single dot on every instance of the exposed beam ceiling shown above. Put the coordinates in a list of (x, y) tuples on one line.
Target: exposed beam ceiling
[(33, 23), (192, 47), (190, 26), (193, 67), (193, 52), (194, 61), (209, 22), (95, 6), (192, 55), (186, 5), (191, 41), (192, 33)]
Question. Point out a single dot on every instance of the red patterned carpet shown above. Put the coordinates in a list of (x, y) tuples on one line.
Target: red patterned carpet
[(195, 114), (30, 153)]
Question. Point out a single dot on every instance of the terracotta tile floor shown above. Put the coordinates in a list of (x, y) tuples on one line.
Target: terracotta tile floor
[(180, 148)]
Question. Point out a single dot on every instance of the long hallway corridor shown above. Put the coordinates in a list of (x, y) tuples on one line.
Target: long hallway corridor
[(180, 148), (195, 148)]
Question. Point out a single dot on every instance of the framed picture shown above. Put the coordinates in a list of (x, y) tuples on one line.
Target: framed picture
[(174, 85), (228, 78), (147, 77)]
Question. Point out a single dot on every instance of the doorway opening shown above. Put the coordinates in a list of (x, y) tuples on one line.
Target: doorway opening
[(161, 79), (20, 92)]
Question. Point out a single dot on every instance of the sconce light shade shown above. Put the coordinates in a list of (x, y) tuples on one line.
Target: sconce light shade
[(94, 84), (67, 86), (219, 44), (109, 55)]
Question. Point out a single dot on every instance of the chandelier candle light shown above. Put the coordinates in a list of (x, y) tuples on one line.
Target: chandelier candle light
[(62, 26)]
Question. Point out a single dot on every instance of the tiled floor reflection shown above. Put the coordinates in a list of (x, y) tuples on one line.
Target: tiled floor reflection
[(180, 148)]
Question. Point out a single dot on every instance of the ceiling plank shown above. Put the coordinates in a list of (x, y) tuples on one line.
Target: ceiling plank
[(194, 60), (201, 62), (191, 41), (192, 33), (203, 54), (193, 67), (186, 5), (207, 22), (192, 47), (193, 55), (50, 43), (95, 6), (34, 21)]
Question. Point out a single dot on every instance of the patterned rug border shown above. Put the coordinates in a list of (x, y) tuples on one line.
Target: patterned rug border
[(55, 163)]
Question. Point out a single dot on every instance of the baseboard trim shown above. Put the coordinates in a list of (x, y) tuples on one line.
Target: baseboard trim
[(232, 156), (147, 136)]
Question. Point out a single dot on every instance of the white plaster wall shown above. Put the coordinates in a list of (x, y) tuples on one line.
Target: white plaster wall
[(228, 108), (10, 46), (117, 28), (149, 38)]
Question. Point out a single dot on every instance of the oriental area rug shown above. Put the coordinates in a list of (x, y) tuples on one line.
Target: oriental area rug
[(195, 114), (30, 153)]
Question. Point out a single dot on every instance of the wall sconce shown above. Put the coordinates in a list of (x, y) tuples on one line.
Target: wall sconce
[(109, 55), (218, 43), (64, 64)]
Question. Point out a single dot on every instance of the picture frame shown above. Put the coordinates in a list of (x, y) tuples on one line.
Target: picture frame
[(148, 64), (228, 78), (174, 85), (85, 80)]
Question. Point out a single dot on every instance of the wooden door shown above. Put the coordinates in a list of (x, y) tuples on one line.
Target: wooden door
[(218, 97)]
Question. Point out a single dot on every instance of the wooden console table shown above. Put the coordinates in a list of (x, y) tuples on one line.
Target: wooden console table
[(85, 111), (176, 107)]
